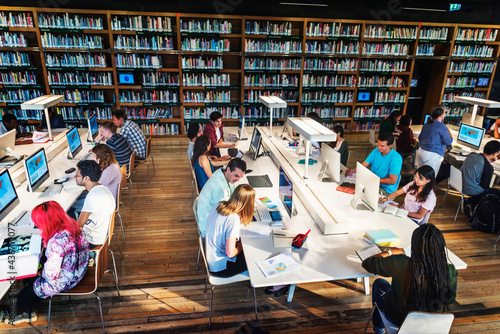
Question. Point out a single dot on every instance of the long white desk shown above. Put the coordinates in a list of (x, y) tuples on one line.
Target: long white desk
[(323, 257)]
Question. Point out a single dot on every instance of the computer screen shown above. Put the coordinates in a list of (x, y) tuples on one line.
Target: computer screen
[(126, 79), (8, 194), (364, 96), (241, 128), (414, 83), (74, 143), (367, 187), (37, 169), (470, 136), (478, 120), (286, 191), (255, 143), (93, 127), (7, 140), (482, 82), (330, 159), (426, 118)]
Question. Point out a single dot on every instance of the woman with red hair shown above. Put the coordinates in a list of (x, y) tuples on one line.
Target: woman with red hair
[(64, 261)]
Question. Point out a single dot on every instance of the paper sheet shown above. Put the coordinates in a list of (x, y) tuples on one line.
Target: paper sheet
[(278, 265)]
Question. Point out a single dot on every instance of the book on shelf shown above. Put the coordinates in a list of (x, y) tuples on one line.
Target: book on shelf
[(382, 237)]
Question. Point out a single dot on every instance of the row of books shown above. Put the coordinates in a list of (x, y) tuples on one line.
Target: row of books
[(132, 60), (22, 114), (338, 47), (426, 49), (331, 64), (310, 80), (478, 34), (381, 81), (148, 113), (472, 51), (450, 97), (80, 78), (272, 64), (207, 96), (461, 82), (263, 112), (202, 62), (141, 23), (435, 34), (395, 49), (472, 66), (328, 112), (204, 112), (373, 112), (458, 111), (18, 78), (154, 96), (262, 80), (268, 28), (160, 43), (200, 79), (12, 40), (202, 44), (334, 97), (16, 19), (206, 26), (14, 59), (19, 95), (160, 129), (73, 113), (334, 29), (77, 59), (252, 96), (381, 65), (69, 21), (365, 126), (50, 40), (273, 46), (382, 31), (160, 78), (80, 96), (390, 97)]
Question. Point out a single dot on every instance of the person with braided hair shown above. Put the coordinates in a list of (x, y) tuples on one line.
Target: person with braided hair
[(422, 282)]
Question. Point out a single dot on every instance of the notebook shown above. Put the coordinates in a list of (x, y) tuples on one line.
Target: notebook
[(382, 237), (259, 181)]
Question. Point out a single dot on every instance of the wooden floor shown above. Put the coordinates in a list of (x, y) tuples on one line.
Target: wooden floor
[(162, 293)]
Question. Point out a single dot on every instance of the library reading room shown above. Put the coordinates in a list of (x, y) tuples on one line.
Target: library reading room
[(236, 166)]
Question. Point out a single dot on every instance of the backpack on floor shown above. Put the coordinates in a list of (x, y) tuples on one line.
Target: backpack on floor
[(486, 216)]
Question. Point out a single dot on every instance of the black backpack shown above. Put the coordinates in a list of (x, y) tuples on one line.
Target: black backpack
[(486, 216)]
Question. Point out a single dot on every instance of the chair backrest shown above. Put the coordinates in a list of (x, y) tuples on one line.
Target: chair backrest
[(195, 180), (428, 323), (372, 139), (111, 227), (102, 259), (123, 183), (148, 147), (195, 211), (202, 249), (390, 328), (131, 164), (455, 178)]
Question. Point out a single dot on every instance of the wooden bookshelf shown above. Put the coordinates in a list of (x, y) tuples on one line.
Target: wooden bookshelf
[(167, 70)]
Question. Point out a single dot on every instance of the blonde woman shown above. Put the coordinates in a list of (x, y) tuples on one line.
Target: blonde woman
[(223, 247), (111, 174)]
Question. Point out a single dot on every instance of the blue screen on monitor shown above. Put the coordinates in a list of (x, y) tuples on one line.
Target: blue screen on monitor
[(93, 125), (470, 135), (126, 79), (364, 96), (36, 166), (286, 191), (426, 118), (7, 191), (482, 82), (74, 142)]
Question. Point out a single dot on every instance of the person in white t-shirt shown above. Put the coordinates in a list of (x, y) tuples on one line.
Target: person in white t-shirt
[(420, 194), (99, 204)]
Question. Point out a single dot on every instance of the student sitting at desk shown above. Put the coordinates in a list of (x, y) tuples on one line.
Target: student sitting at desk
[(64, 263), (384, 162), (222, 242), (476, 174), (341, 144), (219, 187), (389, 124), (420, 194), (99, 204), (214, 131), (131, 132), (56, 121), (111, 174), (405, 140), (423, 282), (194, 132), (9, 122), (117, 143), (203, 164)]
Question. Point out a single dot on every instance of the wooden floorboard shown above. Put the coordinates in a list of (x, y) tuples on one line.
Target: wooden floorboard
[(162, 293)]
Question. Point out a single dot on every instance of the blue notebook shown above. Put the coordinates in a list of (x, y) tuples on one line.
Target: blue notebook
[(382, 236)]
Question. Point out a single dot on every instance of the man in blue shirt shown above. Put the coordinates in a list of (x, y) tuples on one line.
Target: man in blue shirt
[(117, 143), (56, 121), (385, 162)]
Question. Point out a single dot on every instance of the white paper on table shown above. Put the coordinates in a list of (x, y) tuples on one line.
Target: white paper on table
[(255, 231), (278, 265), (386, 203)]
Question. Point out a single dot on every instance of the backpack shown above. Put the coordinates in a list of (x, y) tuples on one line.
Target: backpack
[(486, 216)]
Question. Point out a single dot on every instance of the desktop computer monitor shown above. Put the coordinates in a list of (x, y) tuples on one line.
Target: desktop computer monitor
[(8, 194), (255, 143), (478, 120), (470, 136), (93, 128), (74, 143), (286, 192), (367, 188), (427, 116), (7, 140), (330, 162), (37, 169)]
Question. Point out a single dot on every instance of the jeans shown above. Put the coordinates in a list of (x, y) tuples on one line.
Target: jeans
[(380, 288), (27, 299)]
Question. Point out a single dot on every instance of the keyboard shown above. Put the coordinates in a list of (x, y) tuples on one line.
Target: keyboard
[(86, 156), (24, 219), (53, 189), (264, 214)]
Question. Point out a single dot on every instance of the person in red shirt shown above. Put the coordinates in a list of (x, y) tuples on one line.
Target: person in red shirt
[(214, 131), (405, 140)]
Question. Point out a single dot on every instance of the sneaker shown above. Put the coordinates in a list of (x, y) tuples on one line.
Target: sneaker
[(21, 318)]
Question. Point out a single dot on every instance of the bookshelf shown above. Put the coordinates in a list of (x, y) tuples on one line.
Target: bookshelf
[(168, 69)]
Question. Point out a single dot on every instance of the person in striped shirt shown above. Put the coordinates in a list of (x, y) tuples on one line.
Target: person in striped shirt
[(117, 143), (131, 131)]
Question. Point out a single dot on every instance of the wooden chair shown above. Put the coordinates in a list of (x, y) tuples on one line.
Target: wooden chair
[(131, 170), (90, 282), (194, 182), (145, 160), (195, 211), (122, 184), (455, 181)]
